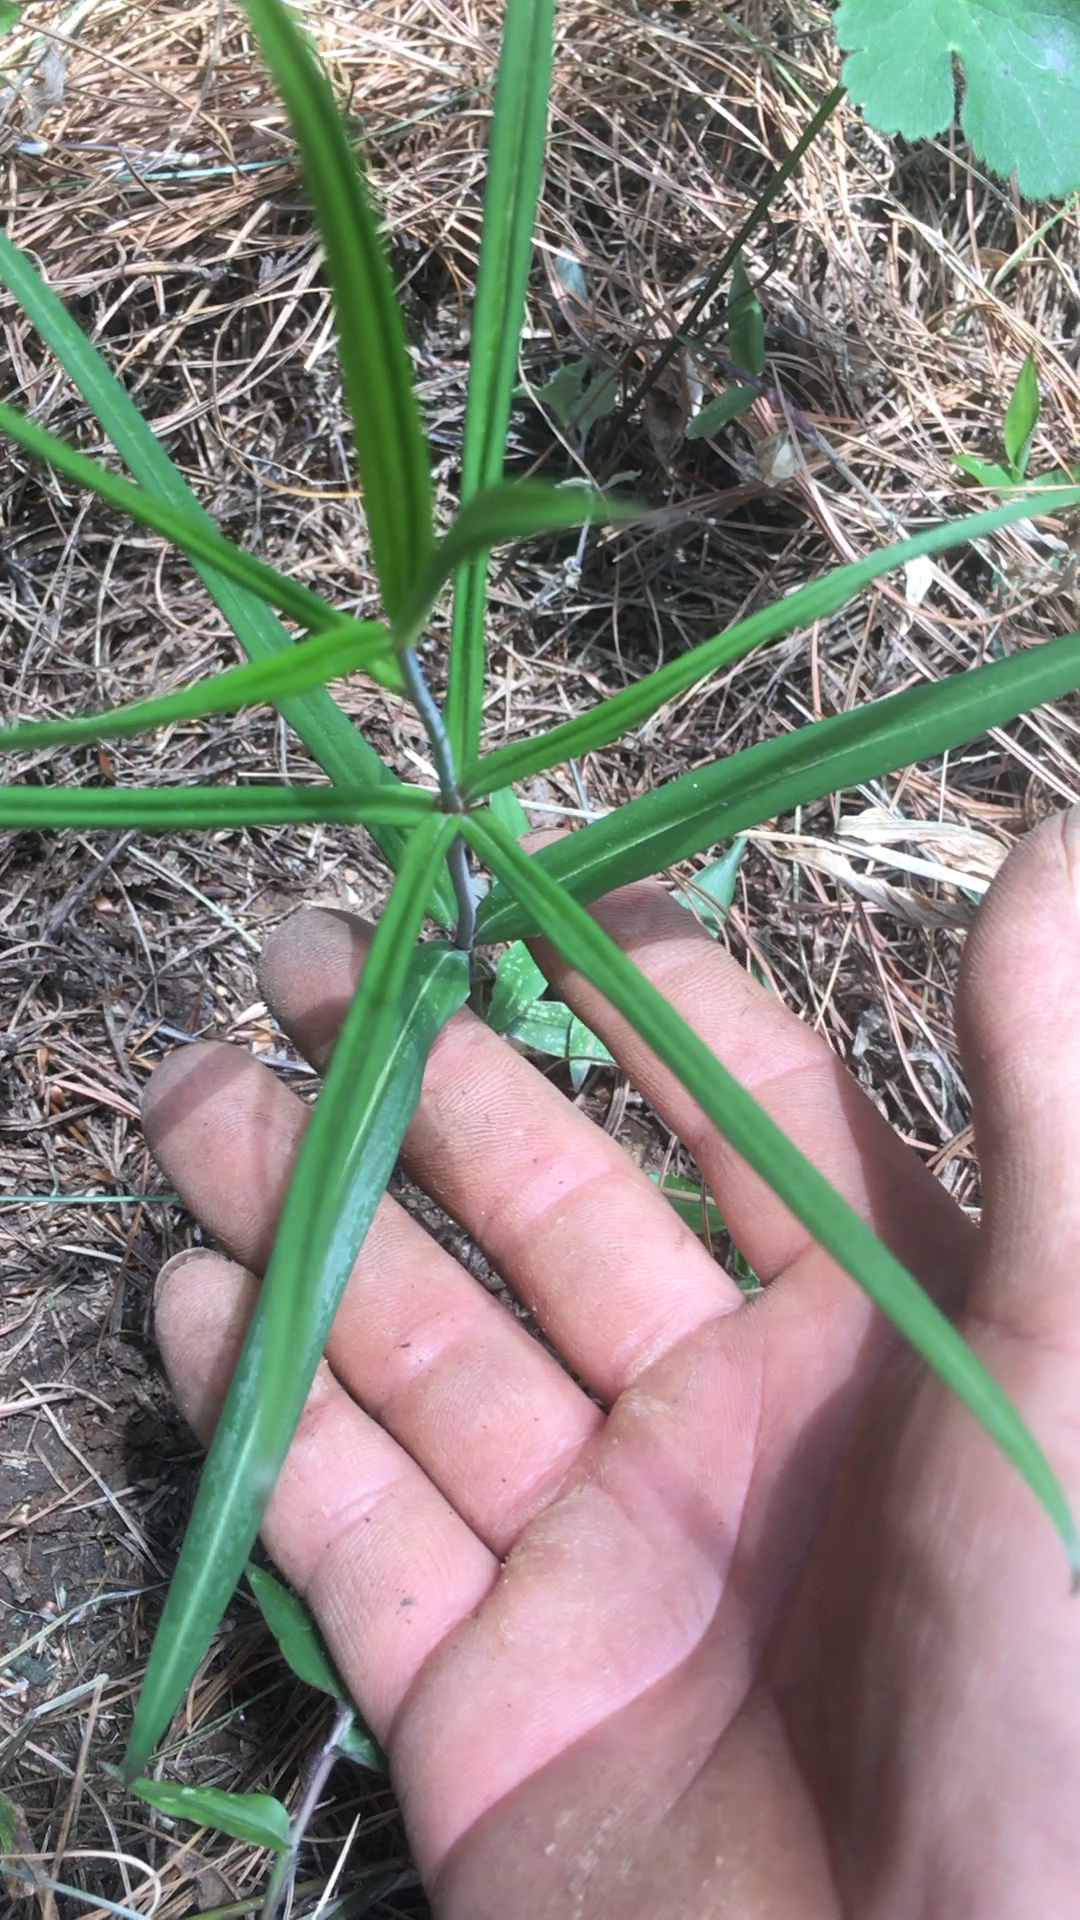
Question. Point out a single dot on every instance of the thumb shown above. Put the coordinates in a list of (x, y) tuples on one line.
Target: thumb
[(1018, 1014)]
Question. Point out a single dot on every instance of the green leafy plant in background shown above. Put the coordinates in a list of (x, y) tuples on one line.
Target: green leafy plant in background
[(1020, 61), (410, 987)]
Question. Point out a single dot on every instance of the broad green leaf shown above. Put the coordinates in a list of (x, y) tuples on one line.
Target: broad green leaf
[(390, 444), (613, 717), (295, 1632), (719, 411), (750, 1130), (1020, 61), (309, 664), (710, 893), (512, 510), (746, 323), (580, 393), (254, 1817), (339, 748), (518, 982), (204, 809), (695, 1208), (405, 995), (744, 789), (515, 163), (1022, 417), (9, 14), (185, 530)]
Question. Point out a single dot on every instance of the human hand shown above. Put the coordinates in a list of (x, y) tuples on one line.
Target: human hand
[(780, 1633)]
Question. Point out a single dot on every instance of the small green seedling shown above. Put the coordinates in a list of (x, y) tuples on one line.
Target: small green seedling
[(1017, 432), (578, 394), (746, 343)]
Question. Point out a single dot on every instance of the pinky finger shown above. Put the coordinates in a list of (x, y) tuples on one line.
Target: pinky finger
[(384, 1562)]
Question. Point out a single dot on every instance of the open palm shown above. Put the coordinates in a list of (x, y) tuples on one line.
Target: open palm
[(754, 1621)]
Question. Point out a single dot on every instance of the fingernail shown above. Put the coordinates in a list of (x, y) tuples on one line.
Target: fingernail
[(173, 1266), (1071, 841)]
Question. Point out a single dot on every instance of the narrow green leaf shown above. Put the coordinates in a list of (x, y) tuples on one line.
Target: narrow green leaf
[(710, 893), (1022, 417), (719, 411), (695, 1208), (309, 664), (361, 1747), (390, 444), (632, 705), (508, 809), (746, 323), (204, 809), (342, 752), (405, 995), (512, 510), (518, 982), (987, 473), (185, 530), (515, 163), (743, 789), (9, 1819), (295, 1632), (254, 1817), (749, 1129)]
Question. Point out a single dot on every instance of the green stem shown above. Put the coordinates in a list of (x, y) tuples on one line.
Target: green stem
[(457, 859)]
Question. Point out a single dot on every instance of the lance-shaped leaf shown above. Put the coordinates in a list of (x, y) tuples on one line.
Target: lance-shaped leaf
[(204, 809), (371, 1089), (295, 1632), (512, 510), (750, 1130), (310, 664), (628, 708), (255, 1817), (741, 791), (390, 444), (339, 748), (301, 1645), (515, 163), (185, 530)]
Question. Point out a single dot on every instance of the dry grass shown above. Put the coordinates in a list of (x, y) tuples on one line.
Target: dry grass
[(147, 167)]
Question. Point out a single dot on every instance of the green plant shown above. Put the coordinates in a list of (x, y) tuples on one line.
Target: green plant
[(410, 987), (1020, 61), (1017, 433)]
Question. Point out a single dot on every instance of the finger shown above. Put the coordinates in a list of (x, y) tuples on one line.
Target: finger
[(423, 1348), (794, 1075), (561, 1211), (1019, 1022), (353, 1523)]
